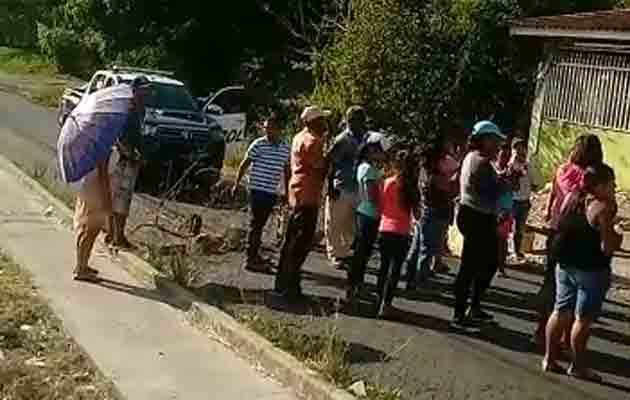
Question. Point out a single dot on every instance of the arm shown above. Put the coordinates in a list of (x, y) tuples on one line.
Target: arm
[(329, 160), (374, 193), (287, 177), (611, 240), (552, 199), (241, 171)]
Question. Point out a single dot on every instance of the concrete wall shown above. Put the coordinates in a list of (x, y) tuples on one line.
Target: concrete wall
[(556, 139)]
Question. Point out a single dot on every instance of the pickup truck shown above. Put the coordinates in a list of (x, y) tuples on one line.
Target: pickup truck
[(228, 107), (180, 143)]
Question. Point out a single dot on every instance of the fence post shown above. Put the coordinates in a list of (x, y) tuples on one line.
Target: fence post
[(539, 100)]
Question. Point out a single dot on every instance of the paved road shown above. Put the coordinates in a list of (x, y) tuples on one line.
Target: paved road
[(28, 132), (422, 356)]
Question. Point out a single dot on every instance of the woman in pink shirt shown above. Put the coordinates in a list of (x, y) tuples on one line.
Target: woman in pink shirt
[(587, 152), (398, 196)]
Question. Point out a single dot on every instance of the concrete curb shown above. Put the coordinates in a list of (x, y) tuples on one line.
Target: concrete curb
[(208, 318)]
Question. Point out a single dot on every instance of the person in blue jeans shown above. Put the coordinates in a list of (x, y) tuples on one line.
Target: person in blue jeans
[(267, 160), (583, 247), (440, 186), (368, 176)]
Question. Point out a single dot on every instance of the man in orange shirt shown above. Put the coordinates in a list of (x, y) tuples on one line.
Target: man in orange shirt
[(308, 171)]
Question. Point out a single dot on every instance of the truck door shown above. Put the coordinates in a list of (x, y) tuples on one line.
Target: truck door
[(229, 108)]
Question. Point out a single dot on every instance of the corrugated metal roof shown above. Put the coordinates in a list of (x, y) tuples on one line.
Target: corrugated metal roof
[(609, 20)]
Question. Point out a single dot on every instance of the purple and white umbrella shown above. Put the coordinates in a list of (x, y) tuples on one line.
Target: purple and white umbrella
[(90, 131)]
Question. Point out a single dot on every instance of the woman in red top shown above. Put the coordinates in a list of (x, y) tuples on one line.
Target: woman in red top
[(398, 196)]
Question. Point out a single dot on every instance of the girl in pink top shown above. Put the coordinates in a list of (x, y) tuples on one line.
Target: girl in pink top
[(398, 197)]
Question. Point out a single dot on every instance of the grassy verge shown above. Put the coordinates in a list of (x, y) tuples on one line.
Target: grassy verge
[(31, 75), (17, 61), (37, 359), (326, 353), (45, 177)]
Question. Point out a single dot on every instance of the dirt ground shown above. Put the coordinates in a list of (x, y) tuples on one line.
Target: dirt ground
[(225, 225)]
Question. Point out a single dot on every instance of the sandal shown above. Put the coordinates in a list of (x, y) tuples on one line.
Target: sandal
[(552, 367), (86, 275), (584, 374)]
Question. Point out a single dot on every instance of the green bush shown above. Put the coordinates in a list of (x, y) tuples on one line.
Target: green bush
[(147, 57), (418, 68), (73, 52)]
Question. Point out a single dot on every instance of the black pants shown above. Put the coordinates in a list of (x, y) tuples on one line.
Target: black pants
[(298, 242), (547, 292), (261, 205), (393, 253), (479, 257), (365, 237)]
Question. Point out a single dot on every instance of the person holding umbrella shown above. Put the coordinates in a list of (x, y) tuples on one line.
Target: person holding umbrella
[(84, 146)]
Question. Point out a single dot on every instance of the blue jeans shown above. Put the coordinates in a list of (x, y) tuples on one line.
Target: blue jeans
[(520, 210), (428, 241), (581, 292), (366, 234)]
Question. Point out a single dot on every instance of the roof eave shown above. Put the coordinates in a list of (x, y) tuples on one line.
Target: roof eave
[(570, 33)]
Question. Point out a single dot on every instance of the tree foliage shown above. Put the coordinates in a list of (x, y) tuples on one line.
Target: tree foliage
[(426, 67), (416, 65)]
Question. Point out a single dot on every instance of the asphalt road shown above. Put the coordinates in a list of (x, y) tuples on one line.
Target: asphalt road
[(28, 132), (416, 352)]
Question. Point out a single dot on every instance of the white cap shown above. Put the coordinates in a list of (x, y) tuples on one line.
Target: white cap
[(379, 137), (311, 113)]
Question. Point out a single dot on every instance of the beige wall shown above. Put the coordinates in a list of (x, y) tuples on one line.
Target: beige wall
[(556, 140)]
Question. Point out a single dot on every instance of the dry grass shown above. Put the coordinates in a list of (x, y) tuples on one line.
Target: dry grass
[(17, 61), (325, 353), (45, 177), (235, 155), (37, 359), (31, 75), (179, 266)]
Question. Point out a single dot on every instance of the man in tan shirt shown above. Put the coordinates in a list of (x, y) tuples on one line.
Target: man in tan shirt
[(308, 171)]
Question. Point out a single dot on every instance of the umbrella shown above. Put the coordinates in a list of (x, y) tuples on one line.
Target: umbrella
[(91, 130)]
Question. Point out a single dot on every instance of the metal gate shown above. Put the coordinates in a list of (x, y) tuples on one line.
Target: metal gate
[(590, 88)]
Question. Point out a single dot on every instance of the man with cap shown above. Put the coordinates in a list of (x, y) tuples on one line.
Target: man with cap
[(341, 198), (480, 190), (125, 165), (308, 171)]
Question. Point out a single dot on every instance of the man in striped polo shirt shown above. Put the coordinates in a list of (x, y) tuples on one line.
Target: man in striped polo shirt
[(267, 160)]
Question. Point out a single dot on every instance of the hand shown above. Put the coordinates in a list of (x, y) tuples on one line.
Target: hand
[(334, 193), (234, 190)]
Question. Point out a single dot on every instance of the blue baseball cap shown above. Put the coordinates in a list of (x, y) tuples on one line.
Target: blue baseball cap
[(487, 128)]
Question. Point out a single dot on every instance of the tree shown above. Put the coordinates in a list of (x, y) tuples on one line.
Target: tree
[(422, 68)]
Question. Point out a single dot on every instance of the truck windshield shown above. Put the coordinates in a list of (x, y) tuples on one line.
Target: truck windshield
[(173, 97)]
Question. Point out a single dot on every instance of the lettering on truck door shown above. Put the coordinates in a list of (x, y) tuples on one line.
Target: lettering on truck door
[(228, 108)]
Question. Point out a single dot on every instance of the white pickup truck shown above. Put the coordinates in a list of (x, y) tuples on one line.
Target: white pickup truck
[(177, 137), (228, 107)]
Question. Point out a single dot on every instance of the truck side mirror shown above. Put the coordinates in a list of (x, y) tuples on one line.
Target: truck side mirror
[(214, 109)]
